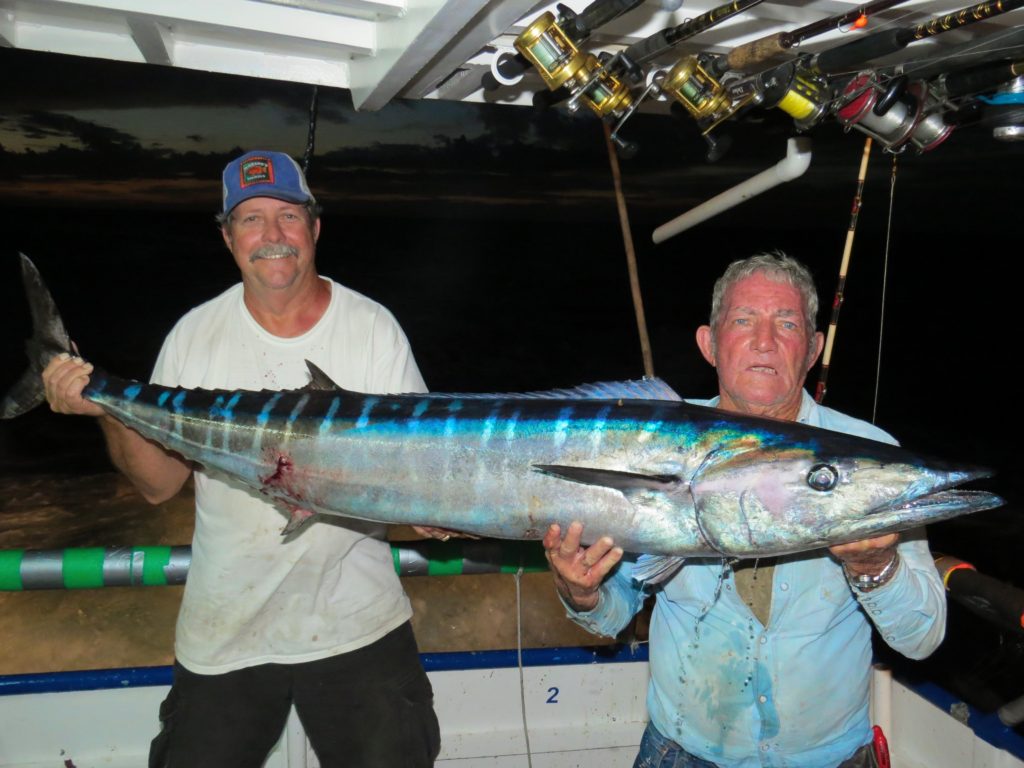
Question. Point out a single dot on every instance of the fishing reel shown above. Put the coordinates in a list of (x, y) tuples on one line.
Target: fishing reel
[(897, 115), (551, 51), (801, 93), (561, 64), (1004, 110), (692, 83)]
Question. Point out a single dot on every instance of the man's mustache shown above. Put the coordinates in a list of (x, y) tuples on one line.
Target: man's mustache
[(273, 251)]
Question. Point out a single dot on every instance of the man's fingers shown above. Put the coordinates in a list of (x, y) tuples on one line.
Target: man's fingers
[(597, 551), (552, 537), (604, 566), (866, 546), (64, 378), (571, 543)]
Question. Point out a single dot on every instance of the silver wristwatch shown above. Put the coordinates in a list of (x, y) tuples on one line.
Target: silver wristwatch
[(864, 582)]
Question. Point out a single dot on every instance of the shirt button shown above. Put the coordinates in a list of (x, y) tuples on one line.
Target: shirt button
[(764, 747), (762, 698), (763, 639), (783, 586)]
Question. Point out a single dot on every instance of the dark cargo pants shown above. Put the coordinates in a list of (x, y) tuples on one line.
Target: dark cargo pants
[(369, 708)]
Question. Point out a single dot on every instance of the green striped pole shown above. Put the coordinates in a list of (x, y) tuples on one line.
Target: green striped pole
[(93, 567)]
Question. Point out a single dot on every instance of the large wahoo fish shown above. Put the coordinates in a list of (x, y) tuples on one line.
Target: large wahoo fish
[(660, 476)]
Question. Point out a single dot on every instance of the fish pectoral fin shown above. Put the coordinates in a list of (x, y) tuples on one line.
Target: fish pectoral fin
[(627, 482), (299, 517), (654, 569)]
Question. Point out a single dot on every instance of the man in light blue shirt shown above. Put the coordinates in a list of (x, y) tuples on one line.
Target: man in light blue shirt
[(763, 663)]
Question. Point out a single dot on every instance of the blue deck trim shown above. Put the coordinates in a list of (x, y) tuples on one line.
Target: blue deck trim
[(132, 677), (532, 657), (986, 725), (86, 680)]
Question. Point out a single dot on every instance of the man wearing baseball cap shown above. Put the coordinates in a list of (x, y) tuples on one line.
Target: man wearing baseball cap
[(317, 618)]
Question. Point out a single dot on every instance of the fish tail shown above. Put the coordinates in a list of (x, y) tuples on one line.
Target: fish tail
[(49, 338)]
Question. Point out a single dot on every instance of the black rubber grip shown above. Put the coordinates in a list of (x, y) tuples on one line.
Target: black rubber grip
[(844, 58), (1002, 604), (599, 13)]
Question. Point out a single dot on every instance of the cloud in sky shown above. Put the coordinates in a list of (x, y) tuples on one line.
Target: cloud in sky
[(59, 127)]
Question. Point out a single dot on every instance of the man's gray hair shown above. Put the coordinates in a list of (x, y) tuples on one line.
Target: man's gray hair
[(777, 266)]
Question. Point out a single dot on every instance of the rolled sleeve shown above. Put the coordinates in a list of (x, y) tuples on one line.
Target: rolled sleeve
[(910, 611), (619, 599)]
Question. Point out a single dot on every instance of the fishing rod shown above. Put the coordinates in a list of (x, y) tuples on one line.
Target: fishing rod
[(661, 42), (851, 55), (991, 64), (898, 114), (775, 49), (1001, 45), (695, 81), (1000, 603), (1001, 109), (837, 301)]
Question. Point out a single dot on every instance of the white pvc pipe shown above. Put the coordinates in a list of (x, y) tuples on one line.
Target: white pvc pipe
[(503, 54), (796, 161)]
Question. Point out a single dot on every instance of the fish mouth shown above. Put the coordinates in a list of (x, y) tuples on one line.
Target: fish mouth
[(943, 503)]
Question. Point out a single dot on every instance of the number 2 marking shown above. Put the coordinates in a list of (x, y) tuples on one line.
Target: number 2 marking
[(553, 698)]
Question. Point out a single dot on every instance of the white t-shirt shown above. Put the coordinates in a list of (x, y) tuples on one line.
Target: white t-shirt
[(251, 597)]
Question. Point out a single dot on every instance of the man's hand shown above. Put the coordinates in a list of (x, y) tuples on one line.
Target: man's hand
[(868, 556), (579, 572), (64, 379)]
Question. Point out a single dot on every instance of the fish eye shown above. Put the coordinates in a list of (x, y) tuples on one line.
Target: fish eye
[(823, 477)]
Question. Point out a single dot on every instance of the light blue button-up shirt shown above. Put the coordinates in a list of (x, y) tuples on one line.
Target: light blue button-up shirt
[(792, 694)]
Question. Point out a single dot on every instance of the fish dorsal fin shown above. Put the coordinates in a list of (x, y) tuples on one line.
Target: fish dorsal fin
[(638, 389), (318, 379)]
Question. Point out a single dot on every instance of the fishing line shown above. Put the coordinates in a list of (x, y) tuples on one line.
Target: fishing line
[(885, 279), (909, 64), (519, 654), (311, 134)]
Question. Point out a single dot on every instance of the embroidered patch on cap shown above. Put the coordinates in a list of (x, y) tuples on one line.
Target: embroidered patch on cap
[(256, 170)]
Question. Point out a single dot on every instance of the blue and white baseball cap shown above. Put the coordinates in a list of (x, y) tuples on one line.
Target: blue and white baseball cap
[(264, 174)]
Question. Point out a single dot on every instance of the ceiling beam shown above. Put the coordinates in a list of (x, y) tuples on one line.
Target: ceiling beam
[(484, 27), (355, 35), (149, 37), (407, 45)]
